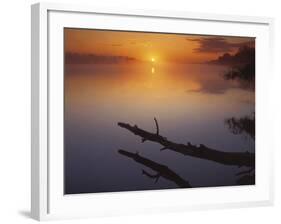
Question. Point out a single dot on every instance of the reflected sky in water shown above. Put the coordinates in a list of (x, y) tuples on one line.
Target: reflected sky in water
[(190, 102)]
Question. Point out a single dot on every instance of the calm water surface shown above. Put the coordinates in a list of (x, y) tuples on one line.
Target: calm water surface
[(190, 102)]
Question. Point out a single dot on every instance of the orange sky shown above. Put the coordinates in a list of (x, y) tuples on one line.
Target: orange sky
[(144, 46)]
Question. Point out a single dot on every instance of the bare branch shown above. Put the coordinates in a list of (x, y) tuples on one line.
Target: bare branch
[(153, 176), (161, 170), (201, 151), (157, 126), (245, 172)]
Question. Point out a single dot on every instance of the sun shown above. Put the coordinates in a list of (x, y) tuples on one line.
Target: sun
[(152, 59)]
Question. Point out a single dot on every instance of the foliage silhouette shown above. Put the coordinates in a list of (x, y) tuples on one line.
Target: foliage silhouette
[(242, 125)]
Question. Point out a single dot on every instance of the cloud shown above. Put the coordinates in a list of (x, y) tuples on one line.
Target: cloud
[(142, 43), (213, 87), (220, 87), (244, 55), (209, 90), (216, 45), (116, 45), (75, 58)]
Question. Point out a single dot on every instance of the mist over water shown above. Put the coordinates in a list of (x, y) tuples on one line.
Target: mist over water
[(191, 103)]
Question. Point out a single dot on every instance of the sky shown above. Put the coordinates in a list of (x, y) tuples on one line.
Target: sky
[(141, 46)]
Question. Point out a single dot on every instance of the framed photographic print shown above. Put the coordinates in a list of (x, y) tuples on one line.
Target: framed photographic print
[(146, 111)]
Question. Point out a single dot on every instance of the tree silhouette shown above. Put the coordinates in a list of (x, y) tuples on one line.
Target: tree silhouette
[(242, 125)]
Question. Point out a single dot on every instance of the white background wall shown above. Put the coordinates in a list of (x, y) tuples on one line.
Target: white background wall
[(15, 110)]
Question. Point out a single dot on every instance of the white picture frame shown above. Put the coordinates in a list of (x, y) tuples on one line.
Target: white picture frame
[(47, 199)]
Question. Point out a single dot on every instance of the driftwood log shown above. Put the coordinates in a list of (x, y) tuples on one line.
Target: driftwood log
[(201, 151), (161, 170)]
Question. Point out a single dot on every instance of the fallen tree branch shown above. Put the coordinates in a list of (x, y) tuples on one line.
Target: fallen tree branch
[(246, 180), (152, 176), (201, 151), (157, 126), (161, 170), (245, 172)]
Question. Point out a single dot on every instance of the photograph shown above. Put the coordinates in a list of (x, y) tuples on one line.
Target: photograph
[(155, 111)]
